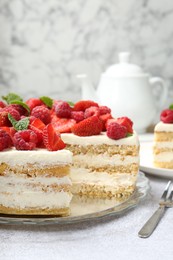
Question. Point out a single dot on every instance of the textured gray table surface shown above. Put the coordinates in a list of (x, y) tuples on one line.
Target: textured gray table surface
[(109, 238)]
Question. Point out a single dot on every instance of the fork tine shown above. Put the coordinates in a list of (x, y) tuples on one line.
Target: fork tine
[(170, 195), (164, 195)]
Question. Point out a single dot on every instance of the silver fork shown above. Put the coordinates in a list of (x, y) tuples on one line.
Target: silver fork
[(166, 201)]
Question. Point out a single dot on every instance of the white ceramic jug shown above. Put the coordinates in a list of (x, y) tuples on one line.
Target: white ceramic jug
[(128, 91)]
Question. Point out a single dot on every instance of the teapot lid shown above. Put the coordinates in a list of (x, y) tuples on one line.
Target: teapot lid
[(124, 68)]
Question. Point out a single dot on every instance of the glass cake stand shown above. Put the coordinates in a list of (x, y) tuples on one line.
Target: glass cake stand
[(83, 209)]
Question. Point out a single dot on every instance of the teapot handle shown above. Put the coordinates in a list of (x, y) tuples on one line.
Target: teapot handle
[(163, 91)]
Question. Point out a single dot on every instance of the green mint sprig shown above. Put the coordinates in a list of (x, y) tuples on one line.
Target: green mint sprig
[(19, 125), (129, 134), (47, 101), (13, 98), (17, 102), (71, 104), (171, 107)]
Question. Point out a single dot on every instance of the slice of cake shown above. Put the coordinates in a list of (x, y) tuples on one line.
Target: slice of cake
[(36, 141), (163, 140), (35, 182), (103, 167)]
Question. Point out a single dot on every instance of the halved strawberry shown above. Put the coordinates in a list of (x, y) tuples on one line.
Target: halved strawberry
[(34, 102), (38, 124), (87, 127), (84, 104), (52, 139), (63, 125), (39, 134)]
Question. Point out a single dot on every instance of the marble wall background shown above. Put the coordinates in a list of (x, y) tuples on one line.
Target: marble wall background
[(44, 44)]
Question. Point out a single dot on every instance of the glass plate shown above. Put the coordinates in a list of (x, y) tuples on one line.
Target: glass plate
[(83, 209)]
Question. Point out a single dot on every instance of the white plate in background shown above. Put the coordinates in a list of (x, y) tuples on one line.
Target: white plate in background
[(146, 162)]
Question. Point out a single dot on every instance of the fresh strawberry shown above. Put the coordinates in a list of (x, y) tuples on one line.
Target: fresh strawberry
[(25, 140), (39, 134), (52, 139), (34, 102), (77, 116), (104, 110), (31, 119), (84, 104), (10, 130), (37, 123), (92, 111), (116, 131), (63, 109), (87, 127), (63, 125), (166, 116), (42, 113), (104, 118)]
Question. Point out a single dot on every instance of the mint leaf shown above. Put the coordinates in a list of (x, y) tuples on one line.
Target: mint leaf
[(47, 101), (19, 125), (18, 102), (11, 97), (70, 103), (171, 107)]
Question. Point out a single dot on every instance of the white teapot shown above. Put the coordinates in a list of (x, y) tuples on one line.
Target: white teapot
[(128, 91)]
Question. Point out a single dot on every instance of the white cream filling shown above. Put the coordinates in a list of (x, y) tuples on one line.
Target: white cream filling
[(40, 157), (164, 157), (34, 199), (82, 175), (20, 183), (162, 127), (98, 140), (103, 160)]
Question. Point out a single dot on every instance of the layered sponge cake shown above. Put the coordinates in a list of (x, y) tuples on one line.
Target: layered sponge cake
[(103, 167), (35, 182), (51, 150), (163, 140)]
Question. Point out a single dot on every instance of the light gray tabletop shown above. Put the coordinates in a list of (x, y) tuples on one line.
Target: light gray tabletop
[(109, 238)]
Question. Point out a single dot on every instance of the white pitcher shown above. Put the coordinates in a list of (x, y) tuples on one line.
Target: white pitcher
[(128, 91)]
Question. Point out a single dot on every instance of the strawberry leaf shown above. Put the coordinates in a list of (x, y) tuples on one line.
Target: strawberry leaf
[(19, 125), (11, 97), (47, 101)]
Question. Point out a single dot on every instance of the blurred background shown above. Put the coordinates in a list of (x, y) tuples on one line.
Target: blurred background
[(44, 44)]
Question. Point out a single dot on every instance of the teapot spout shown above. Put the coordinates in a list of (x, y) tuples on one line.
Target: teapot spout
[(88, 91)]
